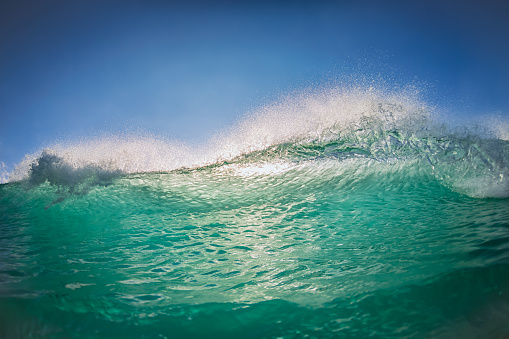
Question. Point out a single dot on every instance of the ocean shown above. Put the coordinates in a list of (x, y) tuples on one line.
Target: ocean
[(341, 213)]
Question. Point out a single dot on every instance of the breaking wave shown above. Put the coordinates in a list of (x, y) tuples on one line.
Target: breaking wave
[(338, 124)]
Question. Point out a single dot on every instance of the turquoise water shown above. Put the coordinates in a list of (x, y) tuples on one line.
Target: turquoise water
[(382, 226)]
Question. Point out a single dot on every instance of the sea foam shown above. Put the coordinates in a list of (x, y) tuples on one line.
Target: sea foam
[(338, 122)]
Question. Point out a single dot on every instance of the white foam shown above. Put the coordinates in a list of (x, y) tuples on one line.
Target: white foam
[(127, 154), (317, 116), (320, 115), (483, 187), (311, 115), (4, 174)]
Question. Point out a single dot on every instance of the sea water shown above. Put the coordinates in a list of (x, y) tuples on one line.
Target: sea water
[(334, 214)]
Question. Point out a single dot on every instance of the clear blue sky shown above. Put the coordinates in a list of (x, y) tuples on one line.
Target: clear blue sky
[(186, 69)]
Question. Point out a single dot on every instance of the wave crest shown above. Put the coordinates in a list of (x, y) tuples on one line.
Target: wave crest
[(334, 123)]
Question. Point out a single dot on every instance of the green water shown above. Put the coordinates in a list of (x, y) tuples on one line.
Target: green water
[(317, 248)]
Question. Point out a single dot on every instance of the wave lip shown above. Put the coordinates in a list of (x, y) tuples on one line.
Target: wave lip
[(109, 154), (53, 169), (334, 123)]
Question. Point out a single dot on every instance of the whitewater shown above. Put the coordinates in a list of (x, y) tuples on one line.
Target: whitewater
[(346, 212)]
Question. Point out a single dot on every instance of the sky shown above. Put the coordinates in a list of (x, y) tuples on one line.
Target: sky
[(185, 70)]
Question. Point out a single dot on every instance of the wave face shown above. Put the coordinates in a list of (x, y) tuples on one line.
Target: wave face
[(337, 213)]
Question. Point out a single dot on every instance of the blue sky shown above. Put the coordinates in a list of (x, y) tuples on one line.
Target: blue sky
[(185, 70)]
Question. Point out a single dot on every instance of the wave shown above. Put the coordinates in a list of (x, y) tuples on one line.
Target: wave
[(334, 124)]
